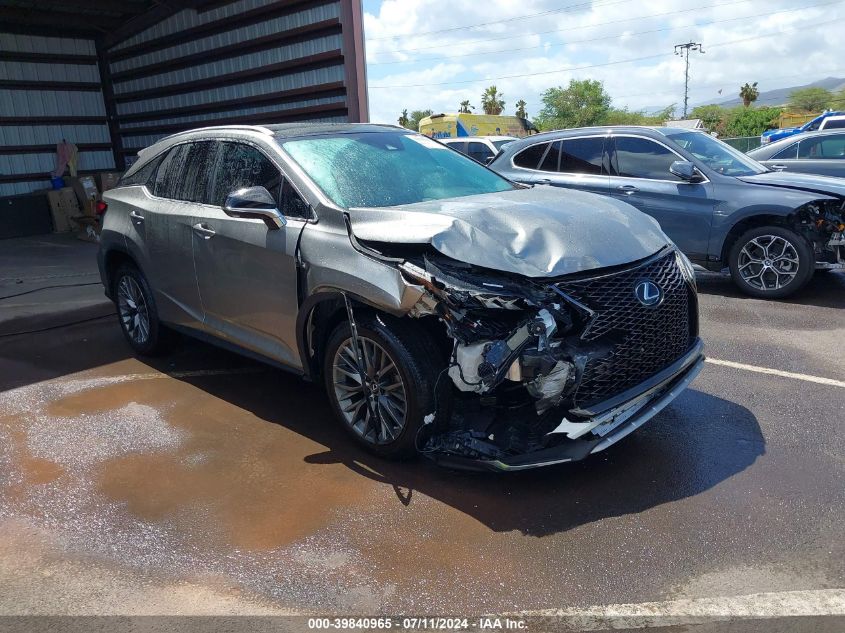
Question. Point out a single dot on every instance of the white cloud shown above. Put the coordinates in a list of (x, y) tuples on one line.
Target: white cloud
[(465, 61)]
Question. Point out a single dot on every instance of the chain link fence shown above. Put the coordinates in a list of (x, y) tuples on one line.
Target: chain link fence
[(743, 143)]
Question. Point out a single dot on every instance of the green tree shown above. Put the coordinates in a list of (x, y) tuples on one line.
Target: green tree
[(403, 118), (810, 99), (466, 107), (749, 93), (416, 116), (520, 109), (712, 116), (582, 102), (743, 121), (491, 101)]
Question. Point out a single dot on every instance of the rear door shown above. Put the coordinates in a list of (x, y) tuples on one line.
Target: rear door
[(640, 176), (574, 163), (823, 155), (247, 272)]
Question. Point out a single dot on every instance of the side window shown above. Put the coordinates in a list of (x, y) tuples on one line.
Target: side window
[(834, 124), (788, 152), (197, 168), (530, 156), (643, 158), (823, 148), (552, 158), (478, 151), (240, 165), (144, 175), (167, 176), (814, 126), (582, 155), (459, 146)]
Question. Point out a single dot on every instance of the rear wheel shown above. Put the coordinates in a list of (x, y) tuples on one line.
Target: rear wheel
[(137, 313), (382, 391), (771, 262)]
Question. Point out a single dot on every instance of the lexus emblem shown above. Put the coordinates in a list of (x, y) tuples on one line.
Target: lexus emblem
[(648, 293)]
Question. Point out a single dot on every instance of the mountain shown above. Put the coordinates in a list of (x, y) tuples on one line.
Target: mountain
[(780, 96)]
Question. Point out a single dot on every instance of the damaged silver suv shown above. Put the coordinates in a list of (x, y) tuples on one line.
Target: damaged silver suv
[(448, 311)]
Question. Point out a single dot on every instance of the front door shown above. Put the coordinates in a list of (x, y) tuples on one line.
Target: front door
[(640, 176), (246, 271)]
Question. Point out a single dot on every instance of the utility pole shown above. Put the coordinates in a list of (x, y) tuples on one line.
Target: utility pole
[(684, 50)]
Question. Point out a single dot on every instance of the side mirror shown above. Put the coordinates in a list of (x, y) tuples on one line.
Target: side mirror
[(254, 202), (686, 171)]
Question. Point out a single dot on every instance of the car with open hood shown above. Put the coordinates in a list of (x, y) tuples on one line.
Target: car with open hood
[(446, 310), (772, 229)]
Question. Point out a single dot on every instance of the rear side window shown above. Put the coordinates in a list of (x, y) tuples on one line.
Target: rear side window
[(582, 155), (240, 165), (832, 147), (197, 168), (167, 179), (834, 124), (478, 151), (144, 175), (530, 157), (643, 158)]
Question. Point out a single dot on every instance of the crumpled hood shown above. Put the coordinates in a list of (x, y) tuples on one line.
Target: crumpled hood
[(827, 185), (539, 232)]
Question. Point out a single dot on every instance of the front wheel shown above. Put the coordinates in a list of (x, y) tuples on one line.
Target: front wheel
[(382, 391), (771, 262)]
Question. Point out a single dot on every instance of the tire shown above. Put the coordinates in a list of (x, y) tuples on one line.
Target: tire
[(412, 366), (771, 262), (137, 312)]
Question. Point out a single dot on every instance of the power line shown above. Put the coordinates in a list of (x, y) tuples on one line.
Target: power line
[(607, 37), (574, 28), (566, 9), (588, 66)]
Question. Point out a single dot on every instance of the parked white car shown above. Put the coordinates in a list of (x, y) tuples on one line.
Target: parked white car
[(833, 122), (480, 148)]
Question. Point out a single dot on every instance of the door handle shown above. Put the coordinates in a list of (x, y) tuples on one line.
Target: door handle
[(778, 167), (204, 230), (136, 217), (627, 189), (543, 181)]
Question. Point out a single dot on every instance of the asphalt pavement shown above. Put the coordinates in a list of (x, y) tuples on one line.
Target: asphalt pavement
[(205, 483)]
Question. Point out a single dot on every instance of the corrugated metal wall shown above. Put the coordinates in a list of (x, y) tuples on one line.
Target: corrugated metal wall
[(248, 61), (43, 102), (235, 61)]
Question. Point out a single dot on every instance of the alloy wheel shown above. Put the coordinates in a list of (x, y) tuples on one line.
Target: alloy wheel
[(370, 393), (768, 262), (133, 311)]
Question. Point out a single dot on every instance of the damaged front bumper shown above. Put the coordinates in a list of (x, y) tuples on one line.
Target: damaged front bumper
[(612, 421)]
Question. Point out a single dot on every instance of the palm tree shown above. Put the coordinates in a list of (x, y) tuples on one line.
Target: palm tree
[(749, 93), (466, 107), (520, 109), (491, 101), (403, 118)]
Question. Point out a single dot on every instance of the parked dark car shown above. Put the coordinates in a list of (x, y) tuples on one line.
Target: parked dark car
[(721, 208), (820, 153), (445, 309)]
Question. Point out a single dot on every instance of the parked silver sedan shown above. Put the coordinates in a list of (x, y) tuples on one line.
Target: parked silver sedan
[(820, 153)]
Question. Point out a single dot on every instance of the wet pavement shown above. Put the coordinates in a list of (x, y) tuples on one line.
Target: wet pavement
[(203, 482)]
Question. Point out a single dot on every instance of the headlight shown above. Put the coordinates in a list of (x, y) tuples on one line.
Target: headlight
[(686, 267)]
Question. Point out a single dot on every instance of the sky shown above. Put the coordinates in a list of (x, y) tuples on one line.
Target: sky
[(436, 53)]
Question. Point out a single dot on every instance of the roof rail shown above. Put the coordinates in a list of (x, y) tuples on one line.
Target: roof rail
[(250, 128)]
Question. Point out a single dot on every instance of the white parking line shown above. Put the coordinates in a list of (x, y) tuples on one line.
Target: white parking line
[(818, 603), (777, 372)]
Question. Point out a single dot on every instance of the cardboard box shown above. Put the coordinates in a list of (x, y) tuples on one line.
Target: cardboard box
[(60, 210), (86, 191), (89, 228), (107, 180)]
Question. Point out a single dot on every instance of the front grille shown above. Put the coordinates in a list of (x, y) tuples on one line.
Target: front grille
[(643, 340)]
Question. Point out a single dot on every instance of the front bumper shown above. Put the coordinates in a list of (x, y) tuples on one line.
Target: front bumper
[(626, 413)]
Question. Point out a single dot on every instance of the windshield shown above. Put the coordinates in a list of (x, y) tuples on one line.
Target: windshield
[(384, 169), (718, 156)]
